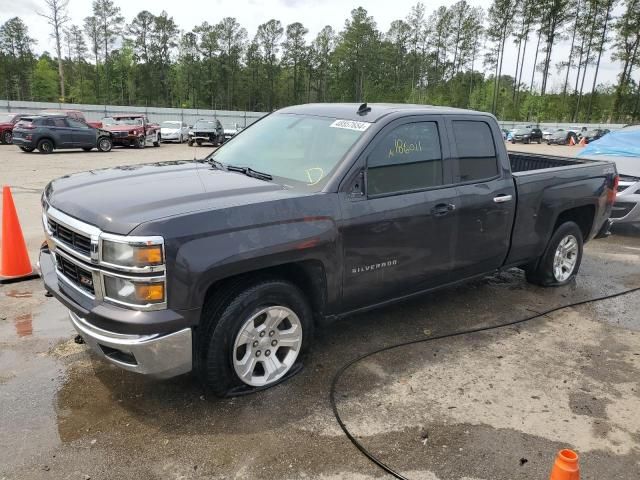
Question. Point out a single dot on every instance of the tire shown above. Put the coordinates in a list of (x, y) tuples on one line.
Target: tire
[(7, 137), (513, 142), (156, 143), (548, 143), (539, 141), (220, 348), (199, 142), (190, 143), (548, 271), (105, 144), (45, 146), (27, 149), (140, 142)]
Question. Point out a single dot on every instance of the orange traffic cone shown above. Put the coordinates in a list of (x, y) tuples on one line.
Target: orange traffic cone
[(572, 141), (583, 142), (566, 466), (14, 261)]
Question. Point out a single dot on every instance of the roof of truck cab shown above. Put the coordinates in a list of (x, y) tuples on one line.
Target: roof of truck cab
[(349, 111)]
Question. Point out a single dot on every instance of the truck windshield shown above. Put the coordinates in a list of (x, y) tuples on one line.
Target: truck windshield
[(298, 148)]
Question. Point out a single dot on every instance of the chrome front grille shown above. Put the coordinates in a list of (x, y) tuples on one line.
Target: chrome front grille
[(78, 276), (74, 240)]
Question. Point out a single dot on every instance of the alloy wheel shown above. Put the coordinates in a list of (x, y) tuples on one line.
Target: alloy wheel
[(267, 345)]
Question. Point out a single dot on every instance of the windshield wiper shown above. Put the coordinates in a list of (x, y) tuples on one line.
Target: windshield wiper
[(215, 163), (250, 172)]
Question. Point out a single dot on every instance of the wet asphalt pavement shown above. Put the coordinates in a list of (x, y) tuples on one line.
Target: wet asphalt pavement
[(494, 405)]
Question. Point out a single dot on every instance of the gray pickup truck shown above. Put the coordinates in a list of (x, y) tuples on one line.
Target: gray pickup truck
[(225, 265)]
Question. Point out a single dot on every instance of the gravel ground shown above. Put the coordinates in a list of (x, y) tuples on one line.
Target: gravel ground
[(490, 406)]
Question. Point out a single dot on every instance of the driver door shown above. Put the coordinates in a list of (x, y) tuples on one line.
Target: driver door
[(400, 234)]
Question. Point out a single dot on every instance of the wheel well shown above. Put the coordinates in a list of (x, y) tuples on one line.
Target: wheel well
[(583, 216), (308, 275)]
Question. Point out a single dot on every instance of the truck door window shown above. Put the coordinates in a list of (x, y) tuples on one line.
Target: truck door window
[(477, 158), (407, 158)]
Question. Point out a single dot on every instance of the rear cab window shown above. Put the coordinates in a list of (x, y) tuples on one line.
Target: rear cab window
[(477, 158)]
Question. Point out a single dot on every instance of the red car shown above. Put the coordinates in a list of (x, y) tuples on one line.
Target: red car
[(132, 130), (76, 115), (7, 122)]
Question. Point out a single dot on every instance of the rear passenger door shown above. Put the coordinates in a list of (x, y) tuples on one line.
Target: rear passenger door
[(486, 196), (399, 235), (61, 132)]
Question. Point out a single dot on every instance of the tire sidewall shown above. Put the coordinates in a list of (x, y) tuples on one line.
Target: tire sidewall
[(216, 362), (7, 138), (546, 263)]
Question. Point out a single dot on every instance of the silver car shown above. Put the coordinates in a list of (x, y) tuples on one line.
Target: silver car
[(174, 131), (627, 206)]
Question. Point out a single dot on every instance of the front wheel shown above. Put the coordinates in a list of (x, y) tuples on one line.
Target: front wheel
[(156, 143), (560, 261), (190, 143), (253, 338), (105, 144), (7, 137)]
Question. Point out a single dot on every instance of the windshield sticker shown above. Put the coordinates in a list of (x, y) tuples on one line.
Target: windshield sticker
[(351, 125)]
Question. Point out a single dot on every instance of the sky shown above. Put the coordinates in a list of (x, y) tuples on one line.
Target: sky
[(314, 14)]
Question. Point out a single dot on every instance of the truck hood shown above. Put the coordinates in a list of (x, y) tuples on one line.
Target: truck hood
[(121, 128), (117, 200)]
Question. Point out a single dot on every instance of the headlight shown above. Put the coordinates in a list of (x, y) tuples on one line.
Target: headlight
[(133, 292), (136, 255)]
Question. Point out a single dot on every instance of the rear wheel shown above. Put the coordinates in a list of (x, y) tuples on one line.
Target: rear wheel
[(7, 137), (45, 146), (560, 261), (253, 337)]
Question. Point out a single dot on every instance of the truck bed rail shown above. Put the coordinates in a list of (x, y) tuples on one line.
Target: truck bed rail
[(521, 162)]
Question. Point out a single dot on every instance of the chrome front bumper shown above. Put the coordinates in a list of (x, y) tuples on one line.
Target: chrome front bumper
[(160, 356)]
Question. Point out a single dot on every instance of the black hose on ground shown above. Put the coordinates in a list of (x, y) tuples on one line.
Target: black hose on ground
[(338, 375)]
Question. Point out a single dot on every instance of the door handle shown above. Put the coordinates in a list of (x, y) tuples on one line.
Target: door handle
[(442, 209), (503, 198)]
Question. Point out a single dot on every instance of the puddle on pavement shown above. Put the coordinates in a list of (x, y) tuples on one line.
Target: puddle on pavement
[(30, 379)]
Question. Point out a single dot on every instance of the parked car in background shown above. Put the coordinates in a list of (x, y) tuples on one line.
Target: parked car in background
[(505, 133), (209, 131), (75, 114), (7, 122), (548, 133), (627, 206), (174, 131), (595, 134), (561, 137), (54, 132), (133, 130), (527, 135), (229, 133)]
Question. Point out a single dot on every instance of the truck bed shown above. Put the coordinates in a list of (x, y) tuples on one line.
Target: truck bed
[(525, 162)]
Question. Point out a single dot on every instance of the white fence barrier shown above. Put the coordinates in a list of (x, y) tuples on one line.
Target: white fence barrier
[(228, 118)]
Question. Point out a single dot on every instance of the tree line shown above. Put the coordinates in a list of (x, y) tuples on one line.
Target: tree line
[(450, 56)]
